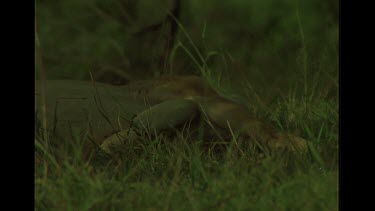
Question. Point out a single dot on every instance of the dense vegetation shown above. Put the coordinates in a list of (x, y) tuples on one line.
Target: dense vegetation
[(279, 57)]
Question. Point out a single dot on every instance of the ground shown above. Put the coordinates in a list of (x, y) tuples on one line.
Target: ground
[(280, 58)]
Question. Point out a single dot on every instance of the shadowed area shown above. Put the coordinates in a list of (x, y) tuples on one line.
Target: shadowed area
[(97, 111)]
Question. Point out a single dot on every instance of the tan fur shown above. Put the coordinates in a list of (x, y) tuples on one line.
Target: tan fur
[(165, 102)]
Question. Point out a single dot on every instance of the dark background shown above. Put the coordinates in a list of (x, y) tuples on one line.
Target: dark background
[(276, 46), (280, 57)]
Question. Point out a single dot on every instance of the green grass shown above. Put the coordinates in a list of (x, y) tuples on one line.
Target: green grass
[(181, 174), (288, 78)]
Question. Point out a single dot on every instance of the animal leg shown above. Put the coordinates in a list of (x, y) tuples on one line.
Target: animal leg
[(168, 114), (233, 116)]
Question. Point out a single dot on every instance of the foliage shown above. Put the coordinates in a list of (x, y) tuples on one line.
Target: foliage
[(279, 57)]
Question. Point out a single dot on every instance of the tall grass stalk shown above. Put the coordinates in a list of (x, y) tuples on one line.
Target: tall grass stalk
[(43, 97), (201, 62), (304, 54), (42, 85)]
